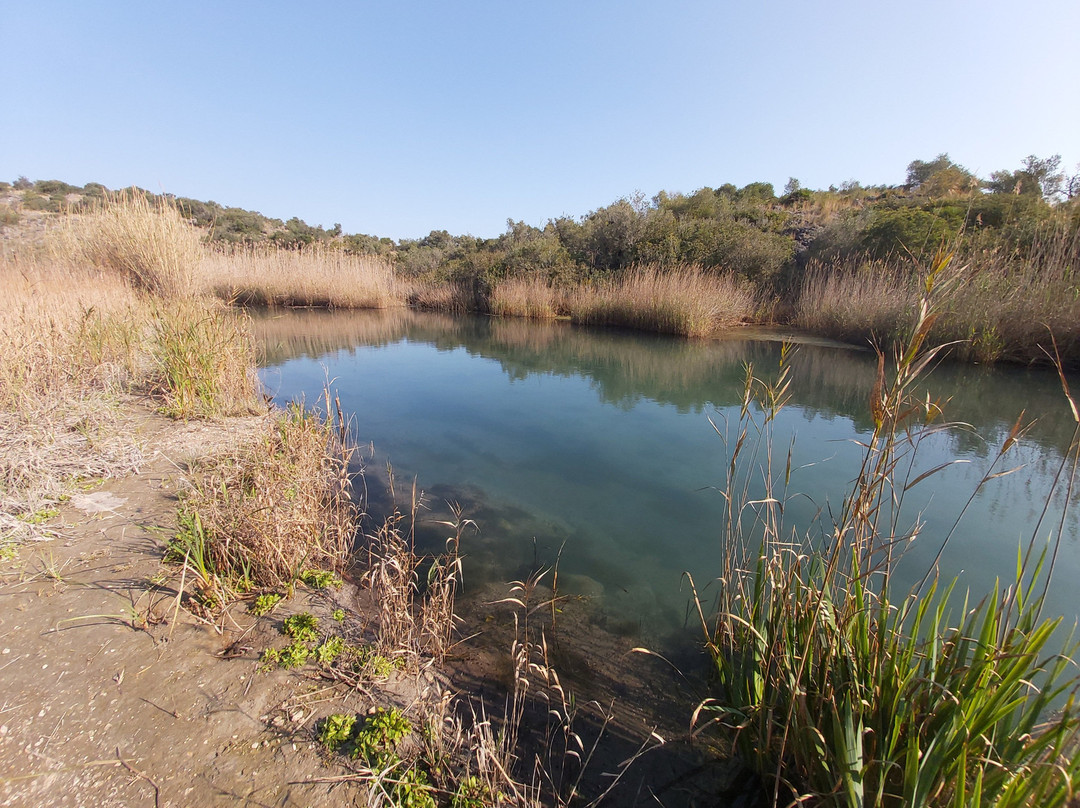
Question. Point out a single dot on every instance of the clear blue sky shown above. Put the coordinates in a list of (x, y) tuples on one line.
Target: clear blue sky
[(396, 118)]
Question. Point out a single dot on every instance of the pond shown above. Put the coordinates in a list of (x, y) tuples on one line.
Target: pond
[(599, 450)]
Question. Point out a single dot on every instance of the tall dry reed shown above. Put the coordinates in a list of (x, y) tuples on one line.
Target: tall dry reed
[(530, 296), (145, 241), (687, 301), (316, 276), (869, 300), (416, 594), (1002, 306)]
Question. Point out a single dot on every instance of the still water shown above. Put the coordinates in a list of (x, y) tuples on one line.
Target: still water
[(600, 449)]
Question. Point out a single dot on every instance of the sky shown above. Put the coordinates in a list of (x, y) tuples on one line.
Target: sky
[(395, 118)]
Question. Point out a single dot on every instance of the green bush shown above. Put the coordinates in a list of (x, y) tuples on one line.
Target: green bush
[(908, 230)]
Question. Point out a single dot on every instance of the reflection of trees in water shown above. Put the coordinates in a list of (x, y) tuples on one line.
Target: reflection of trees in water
[(691, 375)]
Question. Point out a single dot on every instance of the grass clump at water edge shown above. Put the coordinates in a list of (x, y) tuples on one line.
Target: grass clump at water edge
[(840, 691), (273, 508)]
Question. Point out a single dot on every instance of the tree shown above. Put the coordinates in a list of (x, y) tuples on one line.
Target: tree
[(939, 177), (919, 171), (1035, 177), (1046, 173), (794, 193)]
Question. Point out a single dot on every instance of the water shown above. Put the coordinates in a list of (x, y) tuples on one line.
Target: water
[(600, 449)]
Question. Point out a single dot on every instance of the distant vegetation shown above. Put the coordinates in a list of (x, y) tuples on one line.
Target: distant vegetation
[(843, 261)]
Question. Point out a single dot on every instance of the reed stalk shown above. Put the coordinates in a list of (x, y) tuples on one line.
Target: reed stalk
[(839, 690)]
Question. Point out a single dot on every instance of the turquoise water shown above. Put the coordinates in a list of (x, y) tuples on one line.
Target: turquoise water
[(600, 449)]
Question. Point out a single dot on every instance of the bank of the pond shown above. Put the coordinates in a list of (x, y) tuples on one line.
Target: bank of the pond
[(116, 692)]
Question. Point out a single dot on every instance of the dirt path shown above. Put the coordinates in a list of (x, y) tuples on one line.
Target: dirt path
[(113, 697)]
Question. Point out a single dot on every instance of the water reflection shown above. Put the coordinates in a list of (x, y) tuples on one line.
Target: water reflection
[(596, 443)]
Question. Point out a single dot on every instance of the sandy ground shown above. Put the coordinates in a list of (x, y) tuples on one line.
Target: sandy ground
[(111, 696)]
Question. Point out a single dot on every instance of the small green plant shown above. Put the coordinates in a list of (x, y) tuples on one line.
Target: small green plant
[(191, 546), (320, 579), (264, 604), (39, 517), (336, 730), (471, 792), (290, 657), (330, 649), (412, 790), (375, 742), (338, 615), (377, 739), (9, 551), (302, 627), (366, 659)]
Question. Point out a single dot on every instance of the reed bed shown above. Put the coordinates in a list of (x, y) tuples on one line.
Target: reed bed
[(319, 277), (839, 690), (687, 301), (1001, 306), (144, 241), (532, 296), (870, 300), (469, 296)]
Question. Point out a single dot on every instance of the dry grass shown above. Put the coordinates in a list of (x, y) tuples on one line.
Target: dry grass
[(312, 277), (147, 242), (687, 301), (530, 296), (68, 348), (999, 307), (871, 300), (264, 513), (82, 323)]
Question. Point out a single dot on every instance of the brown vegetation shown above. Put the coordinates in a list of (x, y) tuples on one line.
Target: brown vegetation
[(999, 306), (687, 300), (261, 276)]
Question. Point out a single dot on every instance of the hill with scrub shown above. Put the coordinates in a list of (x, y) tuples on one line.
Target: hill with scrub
[(843, 261)]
